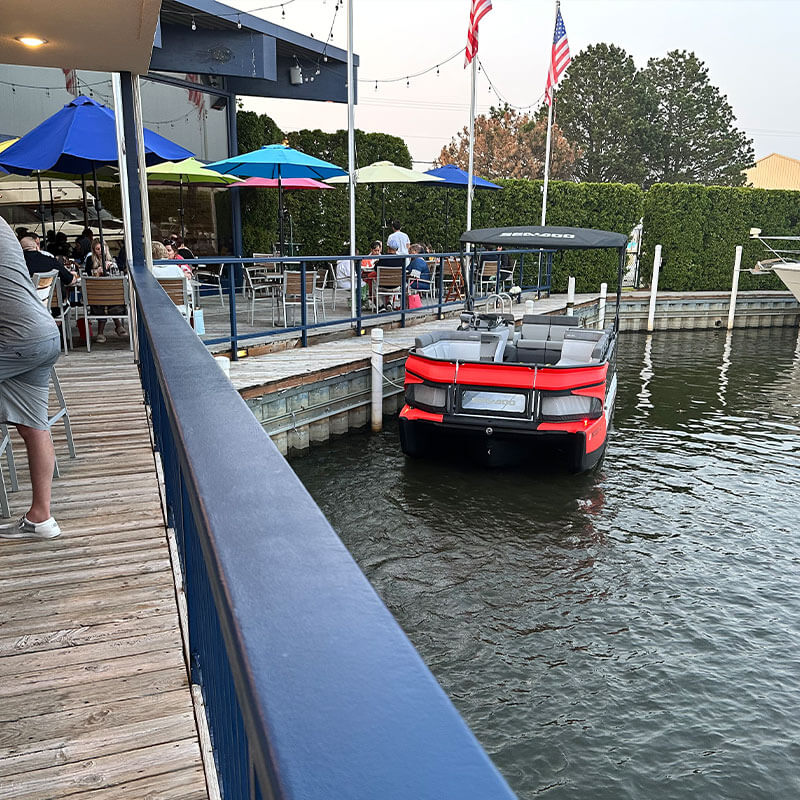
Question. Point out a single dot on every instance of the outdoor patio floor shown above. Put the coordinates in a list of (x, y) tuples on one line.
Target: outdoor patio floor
[(96, 700)]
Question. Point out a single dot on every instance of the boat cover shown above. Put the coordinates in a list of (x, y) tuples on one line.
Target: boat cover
[(551, 237)]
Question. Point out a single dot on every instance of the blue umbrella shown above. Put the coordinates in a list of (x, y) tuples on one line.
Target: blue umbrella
[(277, 161), (454, 176), (451, 175), (79, 138)]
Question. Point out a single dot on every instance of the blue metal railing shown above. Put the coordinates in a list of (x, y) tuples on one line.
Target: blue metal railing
[(312, 690), (443, 297)]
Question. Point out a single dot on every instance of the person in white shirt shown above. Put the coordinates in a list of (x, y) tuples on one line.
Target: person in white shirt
[(398, 240)]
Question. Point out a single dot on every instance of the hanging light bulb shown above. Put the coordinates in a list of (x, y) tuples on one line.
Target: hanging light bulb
[(239, 21), (408, 83), (283, 12), (317, 71), (437, 69), (376, 86), (325, 59), (194, 24)]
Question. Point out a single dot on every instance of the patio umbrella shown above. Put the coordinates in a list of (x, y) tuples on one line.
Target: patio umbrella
[(278, 161), (79, 139), (287, 184), (451, 175), (189, 171), (386, 172)]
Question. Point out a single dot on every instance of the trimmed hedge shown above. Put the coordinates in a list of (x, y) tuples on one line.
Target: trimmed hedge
[(699, 228)]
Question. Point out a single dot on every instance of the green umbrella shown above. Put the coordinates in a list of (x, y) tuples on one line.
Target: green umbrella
[(386, 172), (188, 171)]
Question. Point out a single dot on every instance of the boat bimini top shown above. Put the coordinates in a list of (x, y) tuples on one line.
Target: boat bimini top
[(549, 238)]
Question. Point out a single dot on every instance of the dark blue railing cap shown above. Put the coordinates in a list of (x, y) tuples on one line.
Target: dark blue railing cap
[(336, 701)]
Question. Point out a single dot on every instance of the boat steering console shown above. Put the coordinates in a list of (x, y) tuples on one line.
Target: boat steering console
[(472, 321)]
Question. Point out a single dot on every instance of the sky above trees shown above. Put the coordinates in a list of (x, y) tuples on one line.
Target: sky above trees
[(748, 47)]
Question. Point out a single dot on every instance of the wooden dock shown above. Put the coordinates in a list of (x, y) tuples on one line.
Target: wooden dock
[(94, 698)]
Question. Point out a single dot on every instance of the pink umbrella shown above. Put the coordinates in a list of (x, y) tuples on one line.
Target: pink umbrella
[(286, 183)]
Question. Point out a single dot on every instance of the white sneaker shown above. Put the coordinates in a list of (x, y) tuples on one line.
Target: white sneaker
[(25, 529)]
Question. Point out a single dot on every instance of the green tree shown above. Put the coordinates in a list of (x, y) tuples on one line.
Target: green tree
[(601, 107), (696, 140)]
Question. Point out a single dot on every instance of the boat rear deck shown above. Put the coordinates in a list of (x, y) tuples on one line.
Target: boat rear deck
[(94, 695)]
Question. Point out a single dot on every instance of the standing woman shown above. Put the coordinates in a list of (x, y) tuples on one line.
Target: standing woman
[(99, 264)]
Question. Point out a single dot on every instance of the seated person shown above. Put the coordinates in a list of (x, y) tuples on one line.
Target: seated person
[(164, 270), (99, 264), (368, 272), (172, 252), (37, 261), (389, 259), (420, 265)]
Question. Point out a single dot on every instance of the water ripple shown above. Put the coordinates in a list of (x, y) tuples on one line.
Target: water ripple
[(628, 634)]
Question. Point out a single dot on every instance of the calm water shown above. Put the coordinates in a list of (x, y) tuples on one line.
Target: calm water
[(633, 633)]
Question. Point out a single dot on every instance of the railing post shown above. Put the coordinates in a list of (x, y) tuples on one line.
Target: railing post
[(303, 309), (376, 337), (404, 277), (737, 264), (440, 286), (570, 296), (232, 312), (601, 310), (651, 314)]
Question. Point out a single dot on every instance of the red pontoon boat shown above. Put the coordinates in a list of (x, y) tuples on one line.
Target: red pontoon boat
[(498, 392)]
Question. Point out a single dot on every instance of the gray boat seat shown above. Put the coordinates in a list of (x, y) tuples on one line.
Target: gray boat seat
[(582, 347)]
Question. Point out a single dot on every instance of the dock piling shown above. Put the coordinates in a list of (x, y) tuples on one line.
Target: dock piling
[(376, 336), (601, 309), (651, 315), (737, 264), (571, 296)]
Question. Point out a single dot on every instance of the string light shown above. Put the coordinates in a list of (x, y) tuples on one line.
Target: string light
[(283, 12), (408, 82), (194, 24), (239, 21)]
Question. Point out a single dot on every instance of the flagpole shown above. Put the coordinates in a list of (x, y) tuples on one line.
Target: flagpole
[(549, 137), (547, 156), (470, 170), (355, 291)]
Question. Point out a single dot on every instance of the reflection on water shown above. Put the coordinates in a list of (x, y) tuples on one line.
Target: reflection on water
[(632, 633)]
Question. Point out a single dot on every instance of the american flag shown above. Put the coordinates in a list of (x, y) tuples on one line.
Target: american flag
[(196, 97), (480, 8), (559, 58), (70, 80)]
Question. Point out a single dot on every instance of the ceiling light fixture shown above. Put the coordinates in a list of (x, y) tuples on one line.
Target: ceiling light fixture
[(31, 41)]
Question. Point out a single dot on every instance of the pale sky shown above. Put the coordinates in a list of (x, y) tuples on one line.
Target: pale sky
[(749, 46)]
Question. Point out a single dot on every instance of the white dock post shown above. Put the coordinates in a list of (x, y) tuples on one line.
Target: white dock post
[(601, 310), (735, 285), (570, 295), (376, 337), (654, 289), (224, 364), (529, 306)]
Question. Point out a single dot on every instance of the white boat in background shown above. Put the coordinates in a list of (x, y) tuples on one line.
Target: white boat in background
[(787, 269)]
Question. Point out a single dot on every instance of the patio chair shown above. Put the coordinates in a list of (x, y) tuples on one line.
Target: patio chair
[(258, 284), (487, 280), (48, 287), (388, 284), (210, 275), (63, 415), (105, 293), (180, 292), (291, 292), (321, 285), (7, 449)]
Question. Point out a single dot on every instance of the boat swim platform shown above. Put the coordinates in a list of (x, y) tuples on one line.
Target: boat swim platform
[(96, 701)]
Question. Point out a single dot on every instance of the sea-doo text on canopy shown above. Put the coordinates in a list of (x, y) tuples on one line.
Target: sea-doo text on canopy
[(497, 391)]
